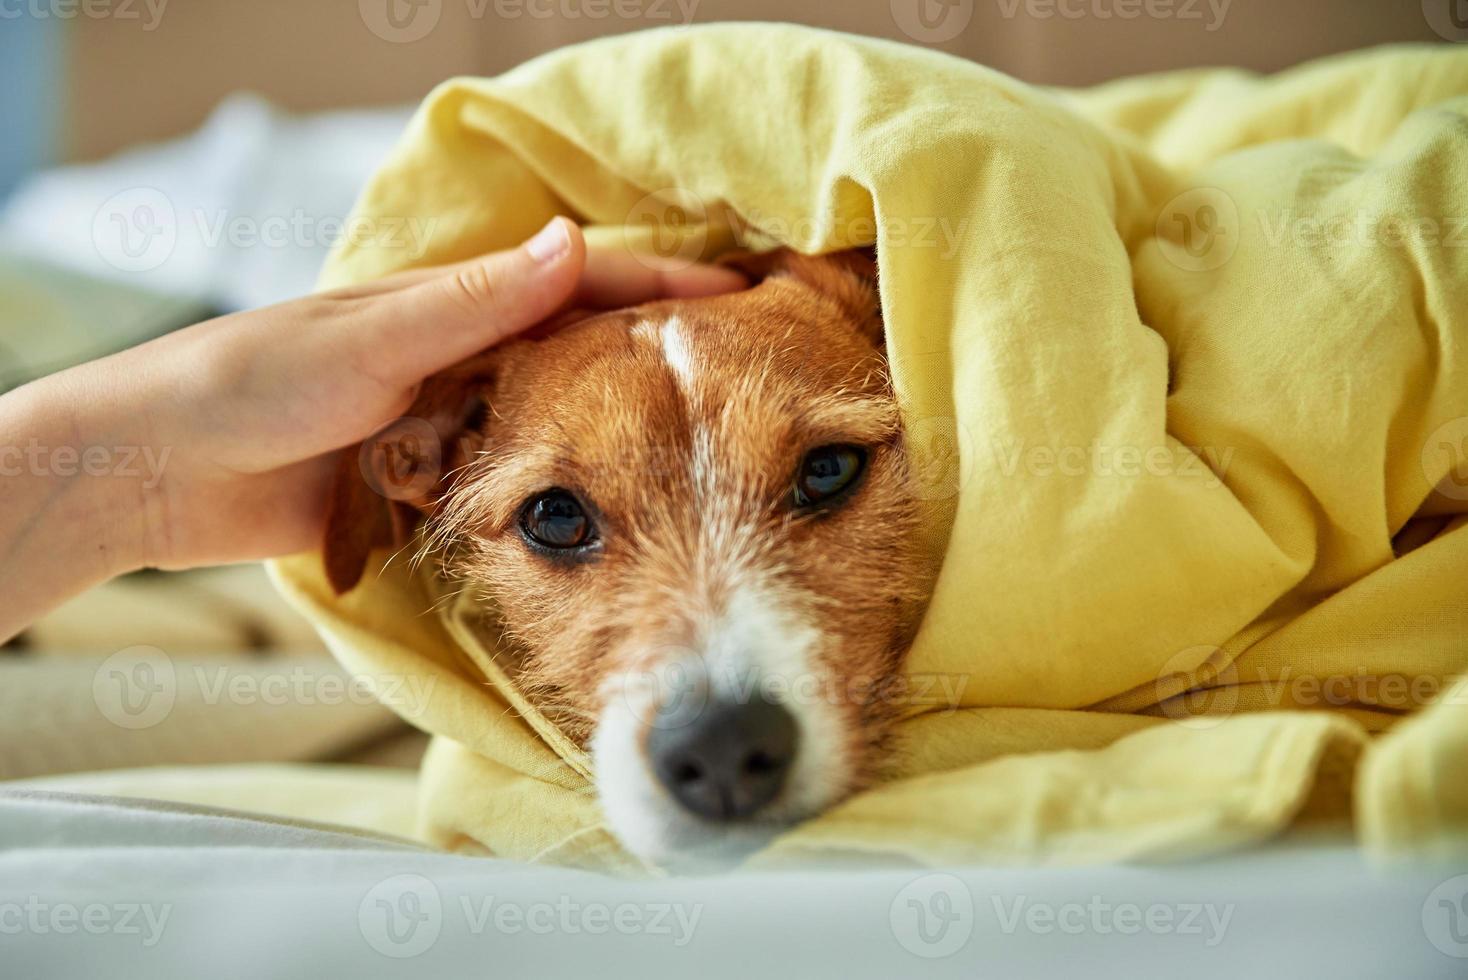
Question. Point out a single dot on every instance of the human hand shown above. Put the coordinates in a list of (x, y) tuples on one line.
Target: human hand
[(244, 414)]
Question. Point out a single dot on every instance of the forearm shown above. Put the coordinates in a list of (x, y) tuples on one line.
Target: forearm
[(218, 443), (72, 495)]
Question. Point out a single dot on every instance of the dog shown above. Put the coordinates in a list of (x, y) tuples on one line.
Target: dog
[(696, 523)]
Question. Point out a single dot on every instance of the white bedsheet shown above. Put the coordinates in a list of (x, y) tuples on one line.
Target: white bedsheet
[(93, 886), (239, 214)]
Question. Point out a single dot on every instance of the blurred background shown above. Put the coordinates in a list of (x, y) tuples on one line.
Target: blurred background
[(202, 155), (165, 160)]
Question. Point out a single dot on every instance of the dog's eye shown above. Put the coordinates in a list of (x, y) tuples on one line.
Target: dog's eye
[(826, 473), (555, 519)]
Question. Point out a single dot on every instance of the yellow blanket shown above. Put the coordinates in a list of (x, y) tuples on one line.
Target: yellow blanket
[(1185, 363)]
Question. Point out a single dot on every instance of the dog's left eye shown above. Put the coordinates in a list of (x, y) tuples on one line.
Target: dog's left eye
[(555, 519), (826, 473)]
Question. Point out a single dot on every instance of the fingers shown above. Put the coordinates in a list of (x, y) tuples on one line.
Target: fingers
[(612, 279), (432, 323), (426, 320)]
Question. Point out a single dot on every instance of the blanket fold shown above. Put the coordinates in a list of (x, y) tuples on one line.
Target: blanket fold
[(1182, 364)]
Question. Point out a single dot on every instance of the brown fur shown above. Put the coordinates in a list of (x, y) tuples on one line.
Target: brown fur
[(596, 409)]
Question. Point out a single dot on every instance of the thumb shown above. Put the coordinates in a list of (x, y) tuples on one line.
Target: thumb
[(434, 324)]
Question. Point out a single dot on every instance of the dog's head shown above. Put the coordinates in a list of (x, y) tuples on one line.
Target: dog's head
[(695, 521)]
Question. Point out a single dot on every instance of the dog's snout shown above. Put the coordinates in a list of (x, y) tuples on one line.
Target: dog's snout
[(728, 760)]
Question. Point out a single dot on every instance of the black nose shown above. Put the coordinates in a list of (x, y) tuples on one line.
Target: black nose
[(727, 759)]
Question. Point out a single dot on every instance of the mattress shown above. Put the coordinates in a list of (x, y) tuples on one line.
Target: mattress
[(93, 886)]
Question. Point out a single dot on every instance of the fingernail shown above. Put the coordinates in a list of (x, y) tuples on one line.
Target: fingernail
[(550, 243)]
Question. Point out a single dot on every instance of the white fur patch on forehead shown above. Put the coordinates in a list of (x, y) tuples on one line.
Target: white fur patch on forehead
[(670, 340), (676, 352)]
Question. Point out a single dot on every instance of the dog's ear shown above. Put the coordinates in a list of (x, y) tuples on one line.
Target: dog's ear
[(382, 487), (849, 278)]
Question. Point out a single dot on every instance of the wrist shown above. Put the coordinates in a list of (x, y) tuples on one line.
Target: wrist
[(84, 469)]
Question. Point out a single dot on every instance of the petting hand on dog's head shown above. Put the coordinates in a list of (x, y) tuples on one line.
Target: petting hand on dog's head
[(232, 425)]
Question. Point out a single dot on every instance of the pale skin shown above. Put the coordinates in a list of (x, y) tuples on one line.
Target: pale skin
[(216, 444)]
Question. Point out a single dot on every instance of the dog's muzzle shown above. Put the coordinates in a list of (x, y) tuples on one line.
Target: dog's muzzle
[(725, 759)]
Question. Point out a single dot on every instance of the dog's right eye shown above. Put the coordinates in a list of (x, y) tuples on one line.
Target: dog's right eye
[(827, 473), (556, 520)]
